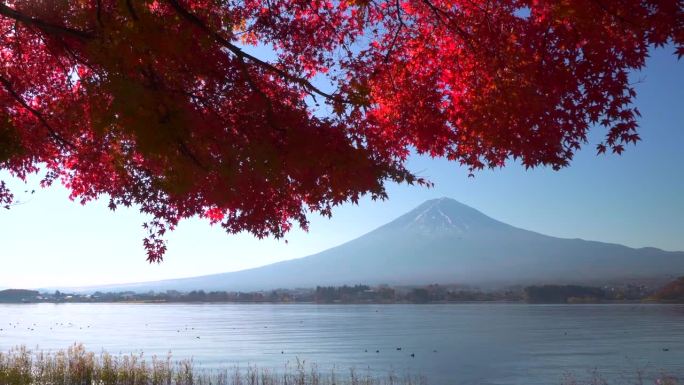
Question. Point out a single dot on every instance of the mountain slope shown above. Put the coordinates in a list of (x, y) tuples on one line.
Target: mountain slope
[(444, 241)]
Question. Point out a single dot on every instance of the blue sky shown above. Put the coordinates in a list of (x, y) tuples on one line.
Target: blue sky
[(636, 199)]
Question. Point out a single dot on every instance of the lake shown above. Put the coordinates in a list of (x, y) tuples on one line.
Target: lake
[(452, 343)]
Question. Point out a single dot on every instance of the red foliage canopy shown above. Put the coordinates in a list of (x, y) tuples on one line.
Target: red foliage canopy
[(158, 102)]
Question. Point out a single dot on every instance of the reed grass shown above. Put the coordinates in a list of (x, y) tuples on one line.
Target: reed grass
[(77, 366), (638, 377)]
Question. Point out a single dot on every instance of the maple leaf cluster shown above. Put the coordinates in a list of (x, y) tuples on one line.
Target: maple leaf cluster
[(159, 104)]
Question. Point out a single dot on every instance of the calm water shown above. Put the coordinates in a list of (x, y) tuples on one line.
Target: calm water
[(455, 344)]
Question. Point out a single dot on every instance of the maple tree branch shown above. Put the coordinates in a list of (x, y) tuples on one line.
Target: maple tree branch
[(396, 34), (42, 25), (244, 55), (82, 35), (439, 13), (270, 114), (99, 13), (185, 150), (615, 14), (131, 10), (53, 133), (395, 38)]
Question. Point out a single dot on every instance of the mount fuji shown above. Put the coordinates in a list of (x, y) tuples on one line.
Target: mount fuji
[(444, 241)]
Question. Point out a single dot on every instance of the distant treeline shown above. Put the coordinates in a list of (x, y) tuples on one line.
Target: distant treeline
[(563, 294), (587, 294), (426, 294), (328, 294), (673, 292), (18, 295)]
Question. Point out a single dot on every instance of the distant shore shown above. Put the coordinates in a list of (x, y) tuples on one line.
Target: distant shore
[(365, 294)]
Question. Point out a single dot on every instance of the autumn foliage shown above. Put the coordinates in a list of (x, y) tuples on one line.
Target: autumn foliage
[(158, 103), (672, 292)]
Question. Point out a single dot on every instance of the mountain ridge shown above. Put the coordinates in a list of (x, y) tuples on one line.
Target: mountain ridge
[(441, 241)]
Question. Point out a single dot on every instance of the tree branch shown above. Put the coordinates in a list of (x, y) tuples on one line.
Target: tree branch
[(615, 14), (244, 55), (131, 10), (270, 114), (42, 25), (439, 13), (82, 35), (400, 20), (53, 133)]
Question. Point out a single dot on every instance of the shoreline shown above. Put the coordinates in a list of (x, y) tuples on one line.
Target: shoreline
[(142, 302)]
